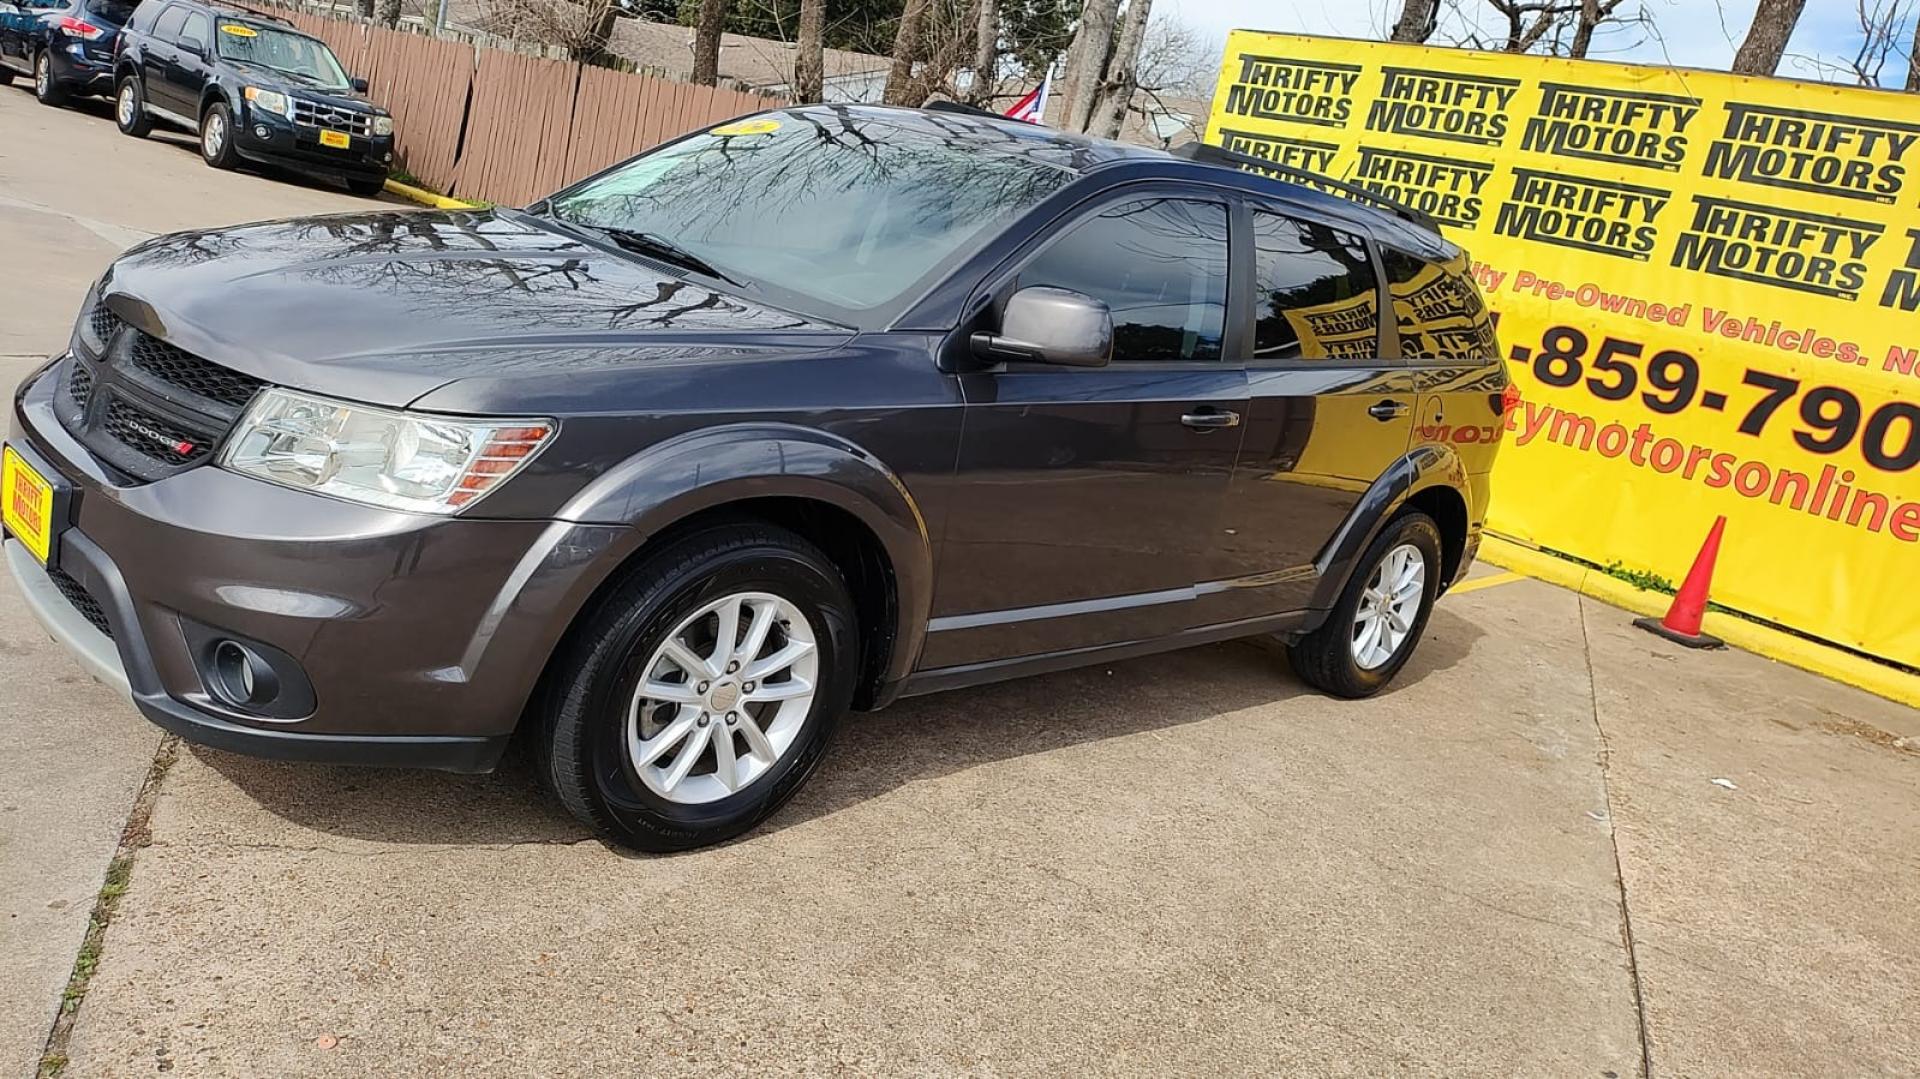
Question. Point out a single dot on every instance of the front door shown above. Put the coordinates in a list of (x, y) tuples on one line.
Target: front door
[(1329, 413), (1089, 499)]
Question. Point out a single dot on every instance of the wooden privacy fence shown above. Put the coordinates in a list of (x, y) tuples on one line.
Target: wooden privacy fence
[(483, 123)]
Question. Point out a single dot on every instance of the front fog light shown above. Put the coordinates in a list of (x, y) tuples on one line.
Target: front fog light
[(399, 460), (259, 131)]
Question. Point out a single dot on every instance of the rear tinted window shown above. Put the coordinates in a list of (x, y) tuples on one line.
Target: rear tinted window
[(1441, 313), (117, 12), (171, 20), (1317, 296)]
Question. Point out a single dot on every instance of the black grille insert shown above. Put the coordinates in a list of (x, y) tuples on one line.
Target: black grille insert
[(147, 408), (177, 367), (79, 383), (103, 323), (151, 435), (81, 599)]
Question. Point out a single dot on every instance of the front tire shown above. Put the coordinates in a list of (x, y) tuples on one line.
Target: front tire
[(699, 695), (367, 189), (1380, 615), (130, 109), (47, 89), (216, 137)]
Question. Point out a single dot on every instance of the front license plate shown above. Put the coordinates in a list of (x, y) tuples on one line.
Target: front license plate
[(339, 140), (26, 503)]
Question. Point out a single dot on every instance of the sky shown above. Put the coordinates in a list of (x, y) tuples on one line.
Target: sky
[(1690, 33)]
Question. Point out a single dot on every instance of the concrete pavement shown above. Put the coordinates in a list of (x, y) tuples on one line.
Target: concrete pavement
[(74, 193), (1515, 861)]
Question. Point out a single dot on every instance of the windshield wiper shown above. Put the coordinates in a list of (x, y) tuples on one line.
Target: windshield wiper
[(646, 243)]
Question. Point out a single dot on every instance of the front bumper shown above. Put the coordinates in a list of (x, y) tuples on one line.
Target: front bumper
[(269, 138), (421, 637)]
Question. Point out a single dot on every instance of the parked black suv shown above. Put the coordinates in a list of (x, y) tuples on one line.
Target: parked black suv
[(813, 409), (254, 88), (64, 46)]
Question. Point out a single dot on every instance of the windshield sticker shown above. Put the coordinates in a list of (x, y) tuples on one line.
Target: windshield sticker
[(237, 31), (747, 127)]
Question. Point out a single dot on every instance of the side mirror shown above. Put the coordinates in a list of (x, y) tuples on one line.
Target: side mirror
[(194, 45), (1050, 325), (359, 85)]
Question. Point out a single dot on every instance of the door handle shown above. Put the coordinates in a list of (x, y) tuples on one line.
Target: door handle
[(1208, 421), (1387, 410)]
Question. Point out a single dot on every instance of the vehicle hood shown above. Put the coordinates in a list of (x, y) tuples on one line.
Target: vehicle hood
[(272, 78), (386, 307)]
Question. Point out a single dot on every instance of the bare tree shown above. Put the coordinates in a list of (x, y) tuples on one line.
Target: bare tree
[(1766, 40), (1592, 14), (1113, 94), (1913, 59), (809, 61), (986, 52), (1528, 21), (1087, 62), (582, 28), (706, 41), (389, 13), (906, 44), (1418, 20)]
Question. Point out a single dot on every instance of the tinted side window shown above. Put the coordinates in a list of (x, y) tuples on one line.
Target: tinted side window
[(1316, 294), (168, 28), (199, 29), (1441, 314), (1161, 267)]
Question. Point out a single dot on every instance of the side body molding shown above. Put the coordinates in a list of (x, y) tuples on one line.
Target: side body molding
[(1420, 468), (713, 467)]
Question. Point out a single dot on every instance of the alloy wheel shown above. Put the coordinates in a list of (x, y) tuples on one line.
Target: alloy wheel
[(123, 105), (43, 76), (1389, 606), (213, 136), (723, 698)]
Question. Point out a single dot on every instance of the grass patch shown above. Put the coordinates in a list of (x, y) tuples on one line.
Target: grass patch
[(135, 835), (1644, 580)]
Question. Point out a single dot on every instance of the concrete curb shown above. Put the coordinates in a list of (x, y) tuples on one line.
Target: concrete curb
[(428, 198), (1778, 645)]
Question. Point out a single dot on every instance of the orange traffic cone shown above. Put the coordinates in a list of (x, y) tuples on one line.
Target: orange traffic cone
[(1682, 623)]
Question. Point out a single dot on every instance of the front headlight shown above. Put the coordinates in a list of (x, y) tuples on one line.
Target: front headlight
[(399, 460), (383, 125), (272, 101)]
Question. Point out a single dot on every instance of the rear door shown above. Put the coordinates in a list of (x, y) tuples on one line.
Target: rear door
[(1332, 406), (1089, 499), (186, 69), (160, 50)]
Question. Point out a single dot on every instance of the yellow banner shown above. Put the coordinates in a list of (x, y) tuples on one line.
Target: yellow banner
[(1708, 286)]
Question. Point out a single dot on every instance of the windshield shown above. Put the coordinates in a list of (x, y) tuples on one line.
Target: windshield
[(828, 212), (288, 53)]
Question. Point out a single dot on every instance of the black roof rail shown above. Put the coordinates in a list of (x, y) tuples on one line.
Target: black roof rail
[(1209, 154)]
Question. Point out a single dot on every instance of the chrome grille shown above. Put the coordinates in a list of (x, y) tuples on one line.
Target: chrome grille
[(334, 118)]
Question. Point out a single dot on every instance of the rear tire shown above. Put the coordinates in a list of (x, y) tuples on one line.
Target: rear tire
[(1340, 657), (216, 137), (618, 694), (47, 89), (130, 108)]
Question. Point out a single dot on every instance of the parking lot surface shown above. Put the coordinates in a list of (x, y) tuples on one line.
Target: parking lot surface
[(1556, 846)]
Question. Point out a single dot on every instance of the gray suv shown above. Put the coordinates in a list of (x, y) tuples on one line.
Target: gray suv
[(808, 411)]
